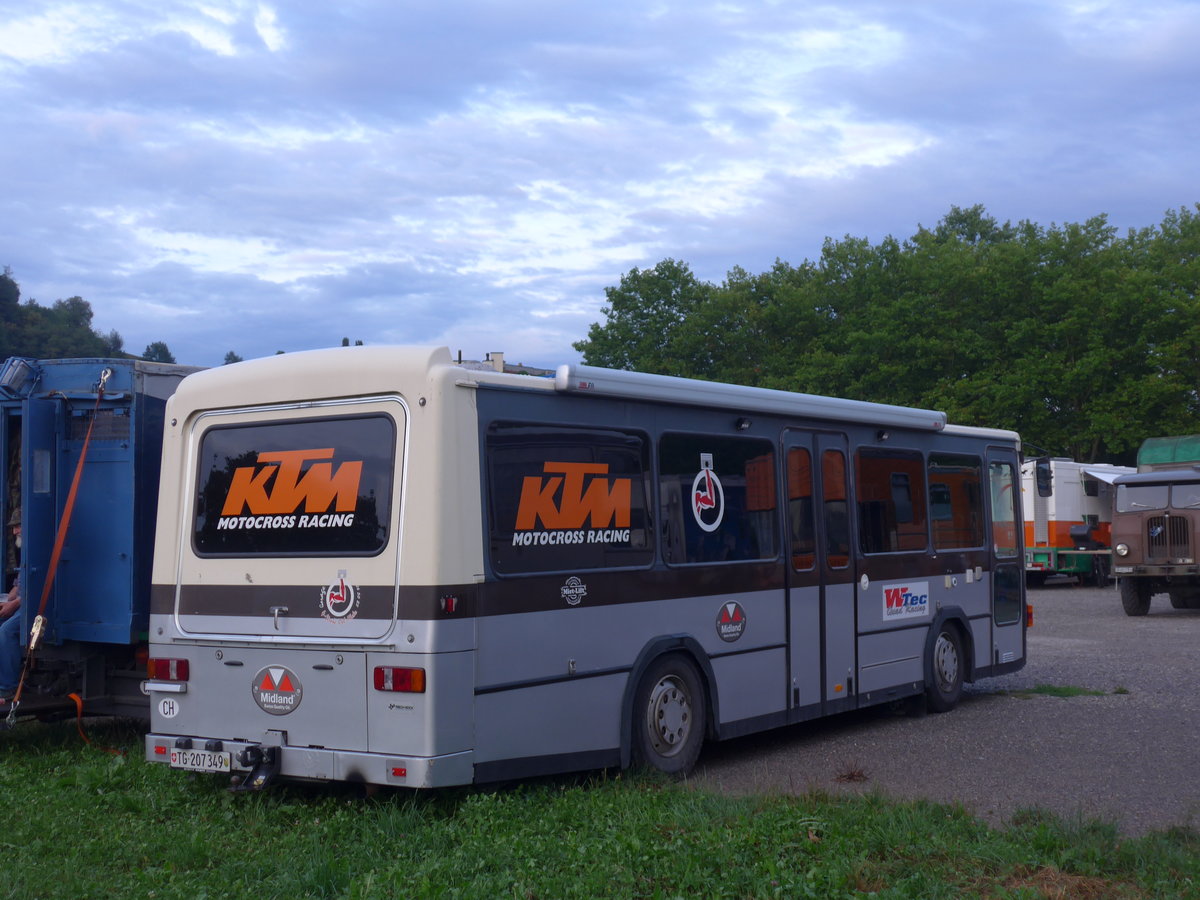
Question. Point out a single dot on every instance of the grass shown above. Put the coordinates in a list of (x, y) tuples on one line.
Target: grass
[(1062, 690), (80, 822)]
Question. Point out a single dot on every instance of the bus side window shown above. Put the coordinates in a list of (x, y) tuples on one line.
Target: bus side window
[(1004, 517), (891, 500), (800, 510), (956, 500), (836, 512), (721, 496)]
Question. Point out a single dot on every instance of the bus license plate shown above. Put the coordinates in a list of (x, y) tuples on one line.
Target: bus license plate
[(201, 760)]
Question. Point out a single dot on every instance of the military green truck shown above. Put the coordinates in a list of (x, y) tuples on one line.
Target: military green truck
[(1155, 522)]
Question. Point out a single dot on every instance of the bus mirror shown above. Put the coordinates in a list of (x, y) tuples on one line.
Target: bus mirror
[(1041, 474)]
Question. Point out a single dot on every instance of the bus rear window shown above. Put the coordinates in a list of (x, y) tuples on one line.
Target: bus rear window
[(311, 487)]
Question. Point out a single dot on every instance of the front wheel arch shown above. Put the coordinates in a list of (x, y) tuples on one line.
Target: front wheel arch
[(660, 646)]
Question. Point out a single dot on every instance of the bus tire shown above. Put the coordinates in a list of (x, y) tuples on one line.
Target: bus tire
[(669, 716), (946, 666), (1135, 596)]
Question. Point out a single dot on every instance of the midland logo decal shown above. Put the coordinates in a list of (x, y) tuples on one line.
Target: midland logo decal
[(573, 503), (731, 621), (339, 600), (277, 690), (708, 497), (903, 601), (289, 489)]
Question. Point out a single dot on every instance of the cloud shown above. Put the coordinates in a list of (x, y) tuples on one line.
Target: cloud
[(252, 176)]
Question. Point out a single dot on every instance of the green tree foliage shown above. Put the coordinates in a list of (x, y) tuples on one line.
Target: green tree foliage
[(1084, 341), (231, 358), (158, 352), (646, 312), (63, 330)]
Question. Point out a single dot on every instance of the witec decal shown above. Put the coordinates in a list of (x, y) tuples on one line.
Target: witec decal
[(573, 503), (731, 621), (902, 601), (276, 690), (272, 493), (708, 497), (339, 600)]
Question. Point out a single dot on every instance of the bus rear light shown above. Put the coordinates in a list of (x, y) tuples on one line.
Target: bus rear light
[(399, 680), (1028, 615), (160, 750), (168, 669)]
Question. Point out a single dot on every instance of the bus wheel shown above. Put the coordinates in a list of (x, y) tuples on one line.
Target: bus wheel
[(942, 695), (1135, 596), (669, 716)]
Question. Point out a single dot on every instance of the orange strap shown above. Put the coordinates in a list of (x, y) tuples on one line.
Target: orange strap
[(116, 751)]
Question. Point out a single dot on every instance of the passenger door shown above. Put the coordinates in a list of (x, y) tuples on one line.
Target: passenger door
[(821, 595), (1008, 581)]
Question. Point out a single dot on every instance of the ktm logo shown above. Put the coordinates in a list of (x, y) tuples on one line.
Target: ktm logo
[(571, 494), (279, 484)]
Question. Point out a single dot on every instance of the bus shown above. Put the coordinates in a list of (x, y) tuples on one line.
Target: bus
[(376, 565), (1068, 518)]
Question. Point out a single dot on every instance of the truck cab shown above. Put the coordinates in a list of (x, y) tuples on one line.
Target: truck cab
[(1155, 523)]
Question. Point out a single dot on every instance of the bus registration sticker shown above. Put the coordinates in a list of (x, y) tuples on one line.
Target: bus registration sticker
[(907, 600), (277, 690)]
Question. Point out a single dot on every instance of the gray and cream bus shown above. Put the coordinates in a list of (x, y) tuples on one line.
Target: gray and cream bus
[(374, 564)]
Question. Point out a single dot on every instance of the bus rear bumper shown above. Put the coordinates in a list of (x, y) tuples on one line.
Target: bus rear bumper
[(317, 764)]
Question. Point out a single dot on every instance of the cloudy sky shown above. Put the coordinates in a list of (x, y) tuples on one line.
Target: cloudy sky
[(260, 176)]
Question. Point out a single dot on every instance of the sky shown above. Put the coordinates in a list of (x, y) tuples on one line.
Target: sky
[(235, 175)]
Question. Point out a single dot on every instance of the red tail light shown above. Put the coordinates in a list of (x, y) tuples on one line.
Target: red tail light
[(1028, 615), (398, 680), (168, 669)]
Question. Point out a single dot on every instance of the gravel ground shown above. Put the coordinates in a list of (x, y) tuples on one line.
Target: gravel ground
[(1130, 756)]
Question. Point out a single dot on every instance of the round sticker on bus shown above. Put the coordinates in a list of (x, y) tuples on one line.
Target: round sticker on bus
[(708, 497), (277, 690), (731, 621)]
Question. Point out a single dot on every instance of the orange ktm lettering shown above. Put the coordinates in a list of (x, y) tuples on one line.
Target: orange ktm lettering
[(587, 496), (317, 488)]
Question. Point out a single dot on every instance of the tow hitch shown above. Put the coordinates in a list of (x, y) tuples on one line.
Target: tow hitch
[(264, 766)]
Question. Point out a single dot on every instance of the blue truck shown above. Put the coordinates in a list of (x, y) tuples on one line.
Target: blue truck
[(93, 637)]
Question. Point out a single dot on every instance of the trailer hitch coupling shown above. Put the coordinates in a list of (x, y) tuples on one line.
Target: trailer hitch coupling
[(263, 763)]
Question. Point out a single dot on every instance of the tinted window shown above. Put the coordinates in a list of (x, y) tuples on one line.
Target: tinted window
[(891, 500), (1003, 483), (718, 496), (314, 487), (956, 500), (800, 509), (567, 499)]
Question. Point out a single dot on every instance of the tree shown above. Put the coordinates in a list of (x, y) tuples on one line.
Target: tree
[(643, 314), (158, 352), (1083, 341), (231, 357)]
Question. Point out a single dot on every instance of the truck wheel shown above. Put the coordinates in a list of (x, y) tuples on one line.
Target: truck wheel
[(947, 666), (669, 716), (1135, 596)]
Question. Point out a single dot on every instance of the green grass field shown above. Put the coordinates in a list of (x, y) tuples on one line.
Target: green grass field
[(78, 821)]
